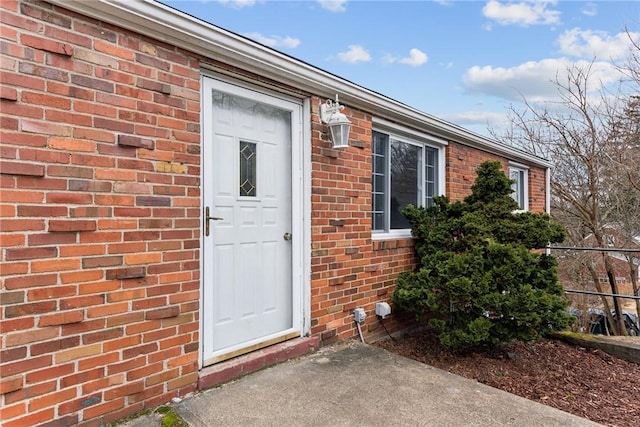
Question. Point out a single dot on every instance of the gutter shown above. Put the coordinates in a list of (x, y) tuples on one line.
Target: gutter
[(156, 20)]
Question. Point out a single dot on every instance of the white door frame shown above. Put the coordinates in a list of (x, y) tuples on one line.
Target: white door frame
[(300, 194)]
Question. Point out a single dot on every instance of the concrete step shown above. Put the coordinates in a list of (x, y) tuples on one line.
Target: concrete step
[(228, 370)]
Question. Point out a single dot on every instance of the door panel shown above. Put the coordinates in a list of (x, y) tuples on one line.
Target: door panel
[(248, 291)]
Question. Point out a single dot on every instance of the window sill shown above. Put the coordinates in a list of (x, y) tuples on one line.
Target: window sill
[(392, 236)]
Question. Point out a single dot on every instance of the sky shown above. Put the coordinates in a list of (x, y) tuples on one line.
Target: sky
[(466, 62)]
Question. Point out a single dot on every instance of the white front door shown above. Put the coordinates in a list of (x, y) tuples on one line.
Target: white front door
[(248, 290)]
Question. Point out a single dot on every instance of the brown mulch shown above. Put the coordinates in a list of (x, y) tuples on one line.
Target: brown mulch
[(585, 382)]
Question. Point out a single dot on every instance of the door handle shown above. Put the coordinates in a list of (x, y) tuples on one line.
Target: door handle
[(208, 218), (287, 236)]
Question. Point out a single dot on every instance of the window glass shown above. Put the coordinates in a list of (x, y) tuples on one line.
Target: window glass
[(431, 174), (404, 172), (405, 164), (519, 187), (380, 142)]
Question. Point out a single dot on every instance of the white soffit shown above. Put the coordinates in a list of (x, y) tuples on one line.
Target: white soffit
[(173, 27)]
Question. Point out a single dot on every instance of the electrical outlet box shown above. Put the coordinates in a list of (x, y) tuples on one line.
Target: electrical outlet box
[(359, 315), (383, 309)]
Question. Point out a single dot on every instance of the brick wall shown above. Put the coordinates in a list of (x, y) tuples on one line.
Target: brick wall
[(99, 219), (99, 215), (348, 269), (537, 194), (462, 162)]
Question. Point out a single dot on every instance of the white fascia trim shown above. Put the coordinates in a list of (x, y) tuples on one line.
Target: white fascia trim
[(394, 128), (171, 26)]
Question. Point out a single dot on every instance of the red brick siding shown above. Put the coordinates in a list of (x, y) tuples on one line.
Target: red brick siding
[(537, 193), (100, 219), (462, 162)]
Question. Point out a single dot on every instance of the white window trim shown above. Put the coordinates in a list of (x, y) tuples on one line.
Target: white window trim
[(410, 136), (525, 169)]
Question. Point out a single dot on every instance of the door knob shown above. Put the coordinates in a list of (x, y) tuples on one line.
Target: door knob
[(287, 236), (208, 218)]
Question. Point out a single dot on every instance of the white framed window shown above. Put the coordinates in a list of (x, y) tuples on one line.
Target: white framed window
[(520, 187), (407, 169)]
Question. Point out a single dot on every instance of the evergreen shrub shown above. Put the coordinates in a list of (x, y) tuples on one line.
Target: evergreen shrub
[(481, 280)]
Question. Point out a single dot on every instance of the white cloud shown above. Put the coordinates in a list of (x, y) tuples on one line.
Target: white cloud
[(589, 9), (238, 4), (356, 53), (533, 80), (333, 5), (274, 41), (523, 13), (591, 44), (415, 59)]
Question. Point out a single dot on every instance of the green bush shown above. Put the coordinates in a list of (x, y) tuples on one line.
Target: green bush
[(479, 279)]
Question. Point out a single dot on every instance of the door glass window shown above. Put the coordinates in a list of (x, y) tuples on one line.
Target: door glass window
[(248, 162)]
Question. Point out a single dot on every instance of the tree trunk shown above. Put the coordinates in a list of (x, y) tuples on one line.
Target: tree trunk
[(611, 275), (605, 302)]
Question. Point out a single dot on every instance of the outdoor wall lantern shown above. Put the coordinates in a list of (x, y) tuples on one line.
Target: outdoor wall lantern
[(337, 122)]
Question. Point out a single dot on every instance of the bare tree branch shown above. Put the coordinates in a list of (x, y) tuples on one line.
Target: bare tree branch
[(594, 141)]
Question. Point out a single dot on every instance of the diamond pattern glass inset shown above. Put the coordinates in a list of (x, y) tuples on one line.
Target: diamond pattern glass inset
[(248, 162)]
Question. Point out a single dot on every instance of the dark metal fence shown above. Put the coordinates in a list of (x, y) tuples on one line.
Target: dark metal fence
[(600, 324), (575, 291), (579, 248)]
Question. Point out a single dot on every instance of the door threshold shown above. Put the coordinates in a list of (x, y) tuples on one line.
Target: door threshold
[(250, 348), (230, 369)]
